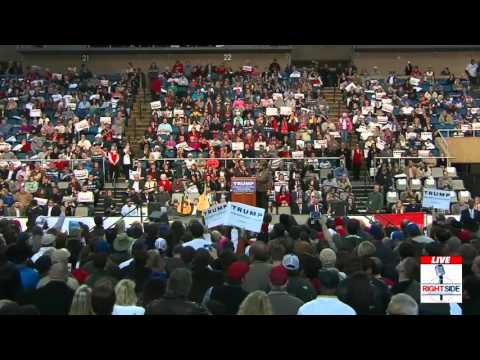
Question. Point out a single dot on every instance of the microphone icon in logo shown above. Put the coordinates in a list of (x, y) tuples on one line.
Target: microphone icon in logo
[(440, 271)]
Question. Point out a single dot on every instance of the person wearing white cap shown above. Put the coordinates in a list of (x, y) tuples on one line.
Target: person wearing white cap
[(298, 285), (161, 245), (47, 243)]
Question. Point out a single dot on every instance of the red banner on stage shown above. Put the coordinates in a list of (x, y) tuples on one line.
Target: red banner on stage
[(396, 219)]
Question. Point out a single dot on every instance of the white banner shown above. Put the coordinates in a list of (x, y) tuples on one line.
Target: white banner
[(387, 108), (178, 112), (414, 81), (82, 125), (245, 216), (81, 174), (272, 112), (297, 155), (318, 144), (285, 110), (237, 146), (275, 96), (155, 105), (41, 201), (436, 199), (35, 113), (85, 197), (216, 215), (57, 97), (380, 144), (426, 135), (105, 120), (367, 109)]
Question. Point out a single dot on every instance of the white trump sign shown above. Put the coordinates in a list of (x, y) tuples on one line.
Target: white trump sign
[(436, 199), (216, 215)]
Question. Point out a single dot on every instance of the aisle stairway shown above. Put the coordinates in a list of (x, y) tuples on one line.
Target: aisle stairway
[(333, 97)]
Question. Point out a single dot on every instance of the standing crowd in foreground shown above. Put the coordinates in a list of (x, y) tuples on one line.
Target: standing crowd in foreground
[(327, 267)]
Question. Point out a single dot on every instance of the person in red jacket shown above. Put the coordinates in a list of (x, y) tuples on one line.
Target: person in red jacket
[(113, 160), (165, 182), (155, 88), (283, 198), (177, 67), (357, 156)]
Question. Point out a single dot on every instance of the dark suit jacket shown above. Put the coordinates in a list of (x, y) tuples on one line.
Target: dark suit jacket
[(56, 211), (468, 221)]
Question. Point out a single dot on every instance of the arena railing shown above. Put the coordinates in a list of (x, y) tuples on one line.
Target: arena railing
[(73, 162), (459, 132)]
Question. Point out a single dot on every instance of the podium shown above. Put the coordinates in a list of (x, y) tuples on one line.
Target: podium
[(244, 190)]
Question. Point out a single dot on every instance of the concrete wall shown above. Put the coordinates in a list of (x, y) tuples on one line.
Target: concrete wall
[(114, 63), (396, 61), (9, 52), (322, 52)]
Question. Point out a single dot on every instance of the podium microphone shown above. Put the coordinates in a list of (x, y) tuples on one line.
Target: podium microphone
[(439, 269)]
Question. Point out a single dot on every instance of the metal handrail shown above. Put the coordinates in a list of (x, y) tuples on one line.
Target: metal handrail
[(459, 130), (415, 157), (277, 158), (445, 145)]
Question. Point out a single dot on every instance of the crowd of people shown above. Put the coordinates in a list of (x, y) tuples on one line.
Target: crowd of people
[(57, 133), (331, 266), (396, 123), (61, 137)]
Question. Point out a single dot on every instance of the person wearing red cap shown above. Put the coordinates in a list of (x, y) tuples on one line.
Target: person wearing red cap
[(231, 293), (282, 302)]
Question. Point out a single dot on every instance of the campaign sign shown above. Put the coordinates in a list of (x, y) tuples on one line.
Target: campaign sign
[(216, 215), (436, 199), (244, 185), (441, 279), (245, 216)]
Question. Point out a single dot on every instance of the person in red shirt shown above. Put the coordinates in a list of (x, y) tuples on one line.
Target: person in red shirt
[(26, 147), (283, 198), (357, 156), (155, 87), (113, 160), (177, 67), (165, 182)]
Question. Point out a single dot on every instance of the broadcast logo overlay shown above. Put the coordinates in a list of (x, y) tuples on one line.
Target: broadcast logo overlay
[(441, 279)]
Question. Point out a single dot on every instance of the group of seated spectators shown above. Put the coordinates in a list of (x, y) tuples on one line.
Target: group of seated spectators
[(213, 122), (330, 266), (394, 123), (58, 132)]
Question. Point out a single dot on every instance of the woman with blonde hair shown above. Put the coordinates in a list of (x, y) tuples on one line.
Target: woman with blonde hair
[(256, 303), (82, 301), (126, 299)]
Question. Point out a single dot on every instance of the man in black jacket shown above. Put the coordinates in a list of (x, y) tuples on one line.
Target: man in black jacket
[(470, 218), (175, 301), (33, 212), (51, 209), (10, 282)]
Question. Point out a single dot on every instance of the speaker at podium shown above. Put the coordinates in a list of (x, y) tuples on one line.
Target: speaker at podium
[(244, 190)]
